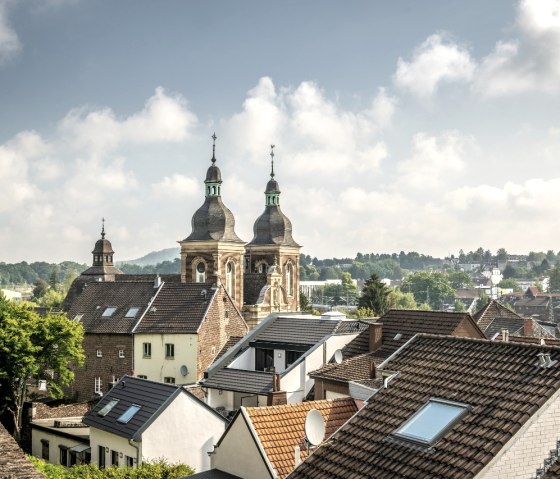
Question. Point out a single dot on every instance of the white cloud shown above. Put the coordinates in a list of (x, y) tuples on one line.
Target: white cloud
[(176, 186), (10, 44), (529, 62), (164, 119), (435, 159), (437, 60)]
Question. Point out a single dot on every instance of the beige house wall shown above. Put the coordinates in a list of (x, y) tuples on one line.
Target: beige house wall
[(158, 367), (98, 437), (238, 453), (529, 447), (55, 441)]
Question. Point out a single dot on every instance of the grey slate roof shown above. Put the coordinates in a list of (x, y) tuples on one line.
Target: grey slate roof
[(273, 228), (152, 397), (213, 221), (252, 382), (97, 296), (213, 474), (177, 308), (296, 330), (514, 326)]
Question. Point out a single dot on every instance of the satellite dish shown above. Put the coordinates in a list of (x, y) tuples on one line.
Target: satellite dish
[(314, 427), (338, 356), (184, 370)]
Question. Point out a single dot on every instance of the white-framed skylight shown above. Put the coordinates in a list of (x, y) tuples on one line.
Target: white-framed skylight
[(432, 421), (132, 312), (78, 317), (129, 413), (108, 312), (107, 408)]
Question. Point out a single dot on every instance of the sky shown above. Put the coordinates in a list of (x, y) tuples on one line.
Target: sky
[(426, 126)]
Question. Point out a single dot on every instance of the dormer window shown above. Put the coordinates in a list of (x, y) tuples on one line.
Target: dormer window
[(432, 421), (108, 312)]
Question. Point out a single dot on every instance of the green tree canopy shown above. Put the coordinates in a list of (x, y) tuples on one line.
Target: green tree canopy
[(399, 300), (509, 283), (34, 347), (375, 295), (430, 288), (554, 285), (460, 279)]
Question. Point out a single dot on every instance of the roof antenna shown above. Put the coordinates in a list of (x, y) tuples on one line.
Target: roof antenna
[(103, 228), (272, 160), (214, 138)]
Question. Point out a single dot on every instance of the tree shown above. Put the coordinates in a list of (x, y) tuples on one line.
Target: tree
[(399, 300), (55, 278), (41, 287), (502, 254), (459, 306), (509, 283), (554, 285), (510, 272), (32, 348), (303, 302), (460, 279), (430, 288), (482, 300), (362, 313), (374, 295)]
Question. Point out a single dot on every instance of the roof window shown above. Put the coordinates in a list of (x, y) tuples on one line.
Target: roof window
[(108, 312), (132, 312), (129, 414), (107, 408), (432, 421)]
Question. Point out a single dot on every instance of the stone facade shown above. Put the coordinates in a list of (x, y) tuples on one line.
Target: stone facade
[(109, 367)]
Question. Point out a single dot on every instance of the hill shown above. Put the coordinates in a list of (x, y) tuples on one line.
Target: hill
[(155, 257)]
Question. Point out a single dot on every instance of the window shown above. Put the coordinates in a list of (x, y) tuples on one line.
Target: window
[(200, 272), (147, 350), (45, 449), (129, 414), (262, 267), (169, 380), (97, 385), (264, 359), (101, 457), (114, 458), (229, 278), (108, 312), (169, 351), (292, 357), (289, 279), (432, 421), (99, 353), (142, 376), (107, 408), (129, 461), (121, 353), (132, 312), (63, 455)]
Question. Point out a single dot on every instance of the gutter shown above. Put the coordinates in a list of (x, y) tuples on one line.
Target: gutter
[(137, 447)]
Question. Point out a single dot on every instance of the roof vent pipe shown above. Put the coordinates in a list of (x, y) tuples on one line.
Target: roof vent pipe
[(297, 455), (157, 281), (505, 335)]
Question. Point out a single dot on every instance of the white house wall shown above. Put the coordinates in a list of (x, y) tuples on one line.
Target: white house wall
[(158, 367), (55, 441), (238, 454), (184, 432), (529, 447), (114, 443), (245, 360)]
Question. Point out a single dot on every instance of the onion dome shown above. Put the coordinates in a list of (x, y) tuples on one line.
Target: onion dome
[(213, 220), (273, 227), (102, 266)]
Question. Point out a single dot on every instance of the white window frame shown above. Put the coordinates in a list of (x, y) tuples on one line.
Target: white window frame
[(121, 353), (99, 353), (97, 385), (169, 351)]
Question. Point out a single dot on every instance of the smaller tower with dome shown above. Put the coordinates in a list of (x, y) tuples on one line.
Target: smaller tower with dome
[(102, 267)]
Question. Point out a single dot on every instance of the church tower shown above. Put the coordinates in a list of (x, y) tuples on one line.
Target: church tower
[(271, 260), (102, 268), (213, 253)]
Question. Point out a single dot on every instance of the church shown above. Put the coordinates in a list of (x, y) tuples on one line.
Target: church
[(170, 328)]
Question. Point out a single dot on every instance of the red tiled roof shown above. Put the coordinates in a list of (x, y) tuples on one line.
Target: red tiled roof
[(501, 382), (281, 428)]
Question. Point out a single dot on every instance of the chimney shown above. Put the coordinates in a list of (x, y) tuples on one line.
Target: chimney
[(375, 337), (528, 327), (297, 455), (372, 369), (505, 335), (276, 397), (157, 282)]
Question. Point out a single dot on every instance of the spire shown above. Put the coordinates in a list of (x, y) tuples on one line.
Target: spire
[(102, 228), (214, 138), (272, 161)]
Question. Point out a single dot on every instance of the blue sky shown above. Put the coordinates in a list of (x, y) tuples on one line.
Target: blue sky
[(427, 126)]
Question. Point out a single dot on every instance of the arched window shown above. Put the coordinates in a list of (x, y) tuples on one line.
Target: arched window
[(229, 278), (200, 272), (289, 272)]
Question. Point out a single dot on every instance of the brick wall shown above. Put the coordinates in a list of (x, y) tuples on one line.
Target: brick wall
[(527, 450), (467, 329), (216, 329), (106, 367)]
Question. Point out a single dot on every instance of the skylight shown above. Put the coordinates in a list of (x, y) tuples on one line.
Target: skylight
[(78, 317), (132, 312), (108, 312), (129, 414), (107, 408), (432, 421)]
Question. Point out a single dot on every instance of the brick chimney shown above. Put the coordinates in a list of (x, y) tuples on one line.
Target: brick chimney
[(276, 397), (375, 337), (528, 327)]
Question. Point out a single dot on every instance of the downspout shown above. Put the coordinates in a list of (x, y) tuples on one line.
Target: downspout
[(131, 442)]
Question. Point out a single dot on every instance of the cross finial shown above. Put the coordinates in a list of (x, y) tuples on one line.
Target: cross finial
[(214, 137), (103, 228), (272, 160)]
